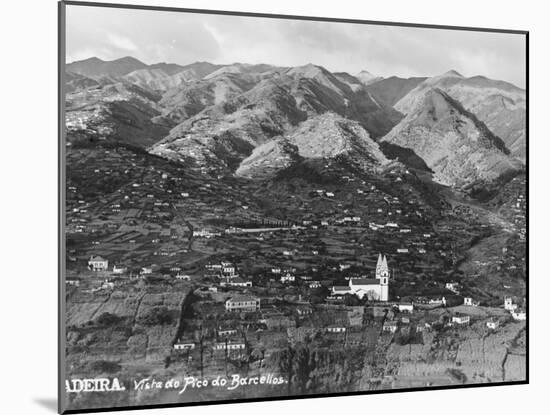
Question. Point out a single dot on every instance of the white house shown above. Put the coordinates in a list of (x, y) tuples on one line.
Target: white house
[(452, 286), (304, 310), (460, 319), (492, 324), (183, 277), (229, 346), (228, 269), (288, 277), (509, 305), (438, 301), (119, 270), (226, 332), (468, 301), (184, 346), (98, 263), (336, 329), (409, 308), (242, 303), (73, 282), (390, 326), (314, 284), (519, 315), (236, 282)]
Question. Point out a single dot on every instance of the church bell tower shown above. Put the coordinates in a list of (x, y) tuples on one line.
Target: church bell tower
[(383, 275), (382, 270)]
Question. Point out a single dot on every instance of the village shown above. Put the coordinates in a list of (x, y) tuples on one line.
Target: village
[(202, 273)]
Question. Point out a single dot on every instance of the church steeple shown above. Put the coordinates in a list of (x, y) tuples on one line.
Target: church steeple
[(378, 264), (382, 269)]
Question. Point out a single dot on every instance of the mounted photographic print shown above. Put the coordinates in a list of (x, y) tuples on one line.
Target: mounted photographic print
[(261, 207)]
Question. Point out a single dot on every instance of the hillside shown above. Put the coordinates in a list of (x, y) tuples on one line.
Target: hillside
[(268, 159), (500, 105), (458, 147), (390, 90)]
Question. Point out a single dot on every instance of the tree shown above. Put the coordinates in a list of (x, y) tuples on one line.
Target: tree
[(351, 300), (107, 319), (158, 316)]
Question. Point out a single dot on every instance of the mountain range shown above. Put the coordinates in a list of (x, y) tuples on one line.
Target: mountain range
[(254, 120)]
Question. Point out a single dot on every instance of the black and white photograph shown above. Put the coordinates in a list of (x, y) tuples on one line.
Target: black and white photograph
[(260, 207)]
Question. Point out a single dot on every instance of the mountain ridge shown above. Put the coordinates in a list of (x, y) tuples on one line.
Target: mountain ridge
[(500, 105), (457, 146), (229, 118)]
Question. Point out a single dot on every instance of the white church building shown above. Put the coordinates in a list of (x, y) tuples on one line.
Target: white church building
[(374, 288)]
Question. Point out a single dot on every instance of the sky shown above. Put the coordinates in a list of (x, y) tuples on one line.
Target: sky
[(176, 37)]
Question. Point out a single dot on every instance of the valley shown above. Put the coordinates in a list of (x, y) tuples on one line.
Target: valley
[(213, 210)]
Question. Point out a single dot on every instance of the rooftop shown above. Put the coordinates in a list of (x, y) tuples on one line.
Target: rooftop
[(364, 281), (242, 298)]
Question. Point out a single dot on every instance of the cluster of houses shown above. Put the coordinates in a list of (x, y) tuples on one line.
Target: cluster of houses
[(205, 233), (227, 274), (516, 312), (376, 288)]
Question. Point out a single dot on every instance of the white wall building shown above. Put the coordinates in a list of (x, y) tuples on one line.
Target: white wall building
[(98, 263), (376, 288), (461, 319), (242, 303), (409, 308), (509, 305), (519, 315)]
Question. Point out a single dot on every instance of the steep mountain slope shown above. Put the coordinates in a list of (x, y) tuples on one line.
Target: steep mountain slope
[(326, 136), (500, 105), (443, 82), (350, 80), (120, 112), (329, 135), (75, 82), (97, 68), (273, 106), (390, 90), (316, 91), (458, 147), (188, 99), (225, 117), (227, 132), (319, 74), (268, 159)]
